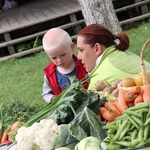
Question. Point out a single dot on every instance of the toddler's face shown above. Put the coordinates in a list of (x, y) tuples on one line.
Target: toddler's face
[(61, 57)]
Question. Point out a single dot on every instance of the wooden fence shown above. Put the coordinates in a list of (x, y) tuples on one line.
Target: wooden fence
[(75, 23)]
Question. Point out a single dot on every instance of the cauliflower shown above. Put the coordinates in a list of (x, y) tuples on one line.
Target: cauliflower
[(39, 136)]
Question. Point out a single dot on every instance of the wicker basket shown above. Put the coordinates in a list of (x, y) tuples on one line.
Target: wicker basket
[(143, 69)]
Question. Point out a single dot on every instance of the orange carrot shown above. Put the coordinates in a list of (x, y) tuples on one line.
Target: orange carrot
[(102, 110), (5, 136), (130, 104), (129, 97), (135, 89), (111, 105), (108, 114), (146, 93), (121, 103), (138, 99), (5, 142)]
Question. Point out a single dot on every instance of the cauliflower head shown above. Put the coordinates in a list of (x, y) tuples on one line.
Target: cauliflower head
[(40, 136)]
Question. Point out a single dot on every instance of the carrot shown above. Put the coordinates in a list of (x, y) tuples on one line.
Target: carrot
[(129, 97), (130, 104), (111, 105), (5, 136), (102, 110), (135, 89), (5, 142), (146, 93), (138, 99), (121, 103), (108, 114)]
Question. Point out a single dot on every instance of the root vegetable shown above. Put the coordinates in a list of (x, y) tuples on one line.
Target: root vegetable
[(115, 83), (115, 92), (100, 85), (108, 89), (146, 93), (129, 97), (121, 103)]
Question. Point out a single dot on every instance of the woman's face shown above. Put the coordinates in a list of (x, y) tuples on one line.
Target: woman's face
[(87, 54)]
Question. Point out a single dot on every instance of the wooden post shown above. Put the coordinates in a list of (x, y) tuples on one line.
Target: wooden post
[(142, 9), (73, 18), (10, 48)]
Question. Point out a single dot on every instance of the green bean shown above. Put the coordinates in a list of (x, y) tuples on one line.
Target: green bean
[(110, 126), (121, 128), (133, 122), (133, 113), (112, 131), (113, 147), (139, 106), (142, 143), (123, 143), (134, 142), (124, 130), (134, 135), (147, 122), (127, 138), (131, 127), (148, 115), (144, 110), (146, 131), (141, 134), (137, 120)]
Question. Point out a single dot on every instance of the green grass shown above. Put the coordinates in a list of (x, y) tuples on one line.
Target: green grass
[(138, 36), (22, 78)]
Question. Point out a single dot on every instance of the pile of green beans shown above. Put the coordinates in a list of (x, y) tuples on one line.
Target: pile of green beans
[(131, 129)]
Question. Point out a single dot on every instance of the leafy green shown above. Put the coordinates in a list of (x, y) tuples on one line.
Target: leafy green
[(103, 101), (15, 110), (85, 124), (64, 138), (68, 104)]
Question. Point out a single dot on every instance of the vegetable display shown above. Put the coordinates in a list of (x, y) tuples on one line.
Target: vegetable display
[(131, 129), (110, 115), (74, 105)]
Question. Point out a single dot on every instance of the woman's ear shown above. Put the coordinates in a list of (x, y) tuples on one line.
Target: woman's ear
[(98, 49)]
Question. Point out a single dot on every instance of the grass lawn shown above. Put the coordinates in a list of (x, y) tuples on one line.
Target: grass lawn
[(22, 78)]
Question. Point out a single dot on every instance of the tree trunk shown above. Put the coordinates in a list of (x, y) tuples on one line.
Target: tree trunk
[(102, 12)]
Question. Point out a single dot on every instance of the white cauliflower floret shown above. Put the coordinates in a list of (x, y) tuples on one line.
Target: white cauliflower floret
[(55, 128), (51, 124), (45, 138), (39, 136), (24, 138)]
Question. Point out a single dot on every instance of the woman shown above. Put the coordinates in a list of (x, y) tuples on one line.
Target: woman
[(105, 55)]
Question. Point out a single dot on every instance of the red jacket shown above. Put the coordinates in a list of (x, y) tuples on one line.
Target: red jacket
[(50, 72)]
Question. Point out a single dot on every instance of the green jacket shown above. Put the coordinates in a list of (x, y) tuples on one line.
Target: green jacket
[(116, 64)]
